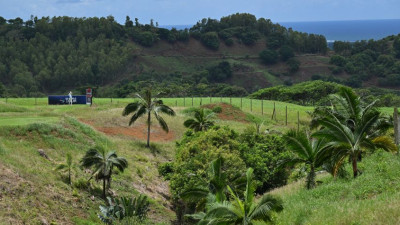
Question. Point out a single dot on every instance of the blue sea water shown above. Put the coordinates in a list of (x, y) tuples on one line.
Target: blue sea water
[(350, 30)]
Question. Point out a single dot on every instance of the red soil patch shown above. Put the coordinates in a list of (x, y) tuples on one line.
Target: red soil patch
[(228, 112), (137, 131)]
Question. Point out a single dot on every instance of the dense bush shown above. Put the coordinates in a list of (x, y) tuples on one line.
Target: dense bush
[(293, 64), (220, 72), (269, 56), (306, 93), (263, 153), (195, 152), (368, 59), (286, 52), (210, 40)]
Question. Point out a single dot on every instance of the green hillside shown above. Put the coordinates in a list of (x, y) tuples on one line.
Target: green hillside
[(231, 56), (33, 192)]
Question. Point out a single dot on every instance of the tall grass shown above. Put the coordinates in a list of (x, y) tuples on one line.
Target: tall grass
[(372, 198)]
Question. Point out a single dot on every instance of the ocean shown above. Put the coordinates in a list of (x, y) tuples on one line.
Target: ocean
[(351, 30)]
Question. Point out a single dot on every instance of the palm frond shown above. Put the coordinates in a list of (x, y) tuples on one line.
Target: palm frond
[(162, 122), (130, 108), (195, 193), (385, 143), (165, 109), (140, 112)]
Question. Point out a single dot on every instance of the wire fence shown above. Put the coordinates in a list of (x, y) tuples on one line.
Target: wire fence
[(280, 112)]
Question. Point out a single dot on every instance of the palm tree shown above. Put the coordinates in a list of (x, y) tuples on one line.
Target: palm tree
[(217, 185), (67, 166), (202, 121), (308, 151), (246, 211), (147, 105), (102, 164), (351, 127)]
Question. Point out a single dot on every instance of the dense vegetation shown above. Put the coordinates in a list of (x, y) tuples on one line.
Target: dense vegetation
[(317, 92), (45, 55), (365, 60)]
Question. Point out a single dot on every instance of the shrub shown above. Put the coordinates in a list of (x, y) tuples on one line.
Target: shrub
[(263, 153), (210, 40), (293, 64), (166, 170), (286, 52), (124, 207), (197, 150), (147, 38), (338, 60), (217, 109), (269, 56)]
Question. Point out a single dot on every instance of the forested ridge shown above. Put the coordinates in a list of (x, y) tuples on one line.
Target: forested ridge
[(47, 55)]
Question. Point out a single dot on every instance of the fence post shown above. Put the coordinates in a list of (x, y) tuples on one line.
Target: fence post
[(286, 116), (298, 121), (241, 105), (273, 113), (201, 100), (262, 107), (396, 125)]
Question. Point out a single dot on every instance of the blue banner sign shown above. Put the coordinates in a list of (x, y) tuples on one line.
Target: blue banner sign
[(64, 99)]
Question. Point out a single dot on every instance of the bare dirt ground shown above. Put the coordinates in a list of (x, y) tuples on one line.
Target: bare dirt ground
[(136, 131), (228, 112)]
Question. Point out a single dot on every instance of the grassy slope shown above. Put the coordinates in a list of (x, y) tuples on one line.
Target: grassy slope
[(372, 198), (31, 190), (192, 57)]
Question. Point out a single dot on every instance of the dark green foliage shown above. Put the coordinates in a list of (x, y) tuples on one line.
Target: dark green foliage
[(263, 153), (241, 210), (210, 40), (166, 170), (124, 207), (307, 151), (269, 56), (147, 38), (306, 93), (293, 64), (368, 59), (247, 29), (217, 109), (351, 128), (338, 60), (202, 120), (220, 72), (286, 52), (194, 154), (102, 164)]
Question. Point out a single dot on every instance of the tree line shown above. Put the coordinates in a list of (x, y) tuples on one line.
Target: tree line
[(44, 55)]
